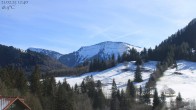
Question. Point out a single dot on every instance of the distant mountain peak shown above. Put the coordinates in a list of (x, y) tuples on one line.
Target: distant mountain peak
[(101, 50), (50, 53)]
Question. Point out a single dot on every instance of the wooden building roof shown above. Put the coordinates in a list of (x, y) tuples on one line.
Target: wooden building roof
[(6, 102)]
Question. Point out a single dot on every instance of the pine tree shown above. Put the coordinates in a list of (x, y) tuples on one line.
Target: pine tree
[(113, 61), (130, 89), (63, 99), (163, 98), (35, 81), (45, 87), (124, 57), (179, 103), (124, 102), (99, 98), (90, 86), (144, 54), (99, 85), (52, 86), (76, 89), (21, 81), (140, 93), (114, 104), (119, 59), (83, 87), (146, 96), (114, 89), (156, 100), (118, 94), (138, 61), (138, 76), (179, 98)]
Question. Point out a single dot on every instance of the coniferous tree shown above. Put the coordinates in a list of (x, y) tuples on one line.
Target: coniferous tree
[(83, 87), (45, 86), (124, 101), (146, 96), (99, 100), (119, 59), (49, 86), (163, 98), (179, 98), (179, 102), (138, 61), (156, 100), (138, 76), (118, 94), (52, 86), (144, 54), (48, 93), (62, 99), (103, 65), (140, 93), (113, 61), (21, 81), (133, 55), (90, 86), (76, 89), (35, 81), (125, 57), (130, 89), (114, 89), (114, 104)]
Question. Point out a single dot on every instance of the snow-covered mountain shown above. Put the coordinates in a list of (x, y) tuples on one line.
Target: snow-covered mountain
[(50, 53), (102, 50)]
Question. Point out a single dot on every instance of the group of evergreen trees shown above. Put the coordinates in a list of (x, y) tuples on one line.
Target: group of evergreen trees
[(181, 45), (98, 64), (44, 93)]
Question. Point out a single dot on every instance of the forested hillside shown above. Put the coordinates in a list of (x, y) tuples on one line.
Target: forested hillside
[(27, 59), (181, 45)]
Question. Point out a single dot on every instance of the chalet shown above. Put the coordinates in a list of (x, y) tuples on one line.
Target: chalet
[(169, 92), (13, 103)]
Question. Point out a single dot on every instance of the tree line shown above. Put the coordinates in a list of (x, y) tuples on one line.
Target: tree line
[(47, 94)]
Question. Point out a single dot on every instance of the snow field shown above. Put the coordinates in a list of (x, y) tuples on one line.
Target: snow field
[(121, 73), (184, 82)]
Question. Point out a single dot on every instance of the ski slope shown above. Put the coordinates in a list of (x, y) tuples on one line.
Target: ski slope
[(121, 73)]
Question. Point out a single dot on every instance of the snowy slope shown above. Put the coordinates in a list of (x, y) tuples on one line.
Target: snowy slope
[(183, 82), (49, 53), (102, 50), (106, 48), (121, 73)]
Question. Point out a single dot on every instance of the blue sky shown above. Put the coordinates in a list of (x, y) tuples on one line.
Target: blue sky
[(66, 25)]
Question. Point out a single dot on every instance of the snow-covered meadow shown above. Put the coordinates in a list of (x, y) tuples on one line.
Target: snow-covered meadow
[(121, 73), (181, 79)]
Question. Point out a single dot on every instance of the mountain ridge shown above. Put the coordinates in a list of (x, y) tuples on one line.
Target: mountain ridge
[(50, 53), (102, 50)]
